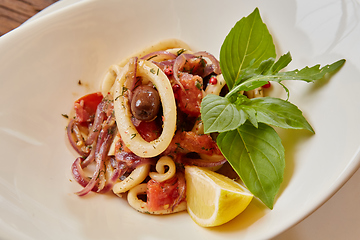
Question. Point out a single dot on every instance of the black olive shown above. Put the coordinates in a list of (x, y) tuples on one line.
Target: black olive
[(145, 103)]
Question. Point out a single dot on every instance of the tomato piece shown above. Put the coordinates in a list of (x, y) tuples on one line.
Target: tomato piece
[(85, 107), (162, 195), (149, 131), (184, 142), (189, 101), (199, 143)]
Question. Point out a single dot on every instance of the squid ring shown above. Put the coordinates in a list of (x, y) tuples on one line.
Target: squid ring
[(134, 179), (109, 79), (127, 130)]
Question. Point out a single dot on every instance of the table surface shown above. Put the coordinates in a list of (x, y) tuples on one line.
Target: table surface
[(336, 219), (14, 12)]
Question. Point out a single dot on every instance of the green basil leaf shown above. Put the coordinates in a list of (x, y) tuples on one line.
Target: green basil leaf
[(248, 85), (258, 157), (279, 113), (265, 66), (307, 74), (219, 114), (250, 113), (246, 46), (283, 61)]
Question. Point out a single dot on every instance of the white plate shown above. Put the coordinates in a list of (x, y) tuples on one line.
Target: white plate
[(41, 63), (61, 4)]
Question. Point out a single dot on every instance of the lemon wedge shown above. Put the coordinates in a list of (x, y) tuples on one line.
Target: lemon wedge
[(213, 199)]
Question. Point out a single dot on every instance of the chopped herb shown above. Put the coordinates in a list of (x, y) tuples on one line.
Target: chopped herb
[(133, 135), (180, 51), (191, 70), (124, 89), (206, 149), (198, 84), (65, 115), (101, 171), (152, 57), (179, 146), (152, 71), (202, 62), (138, 79)]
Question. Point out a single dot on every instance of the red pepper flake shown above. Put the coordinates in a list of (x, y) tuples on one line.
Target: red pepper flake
[(267, 85), (213, 81), (168, 71)]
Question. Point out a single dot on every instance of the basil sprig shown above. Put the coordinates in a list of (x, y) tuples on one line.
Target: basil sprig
[(246, 139)]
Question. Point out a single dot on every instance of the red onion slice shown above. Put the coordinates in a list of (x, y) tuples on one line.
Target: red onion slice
[(104, 109), (132, 160), (105, 138), (165, 64), (214, 62), (91, 157), (79, 175), (72, 127), (96, 126), (116, 173), (178, 64)]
